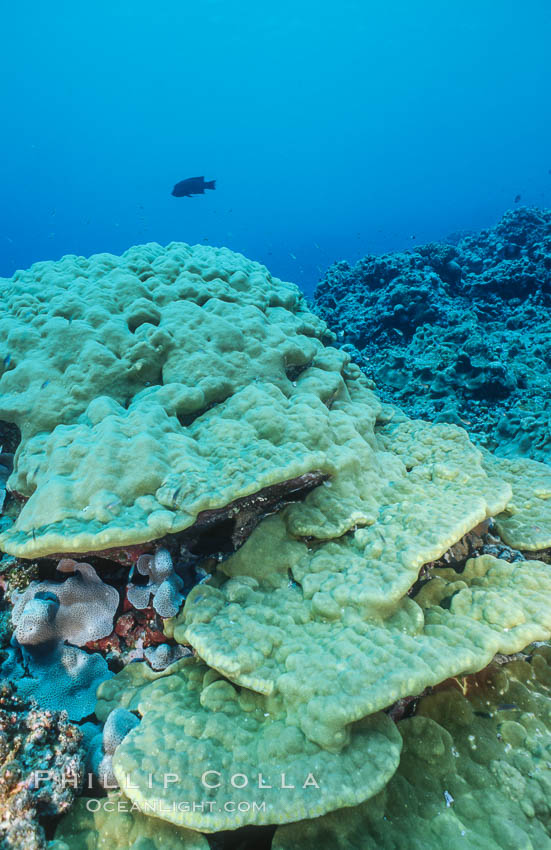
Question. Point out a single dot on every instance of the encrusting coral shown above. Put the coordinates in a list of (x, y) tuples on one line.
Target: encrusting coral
[(84, 606), (51, 620), (208, 430), (58, 676)]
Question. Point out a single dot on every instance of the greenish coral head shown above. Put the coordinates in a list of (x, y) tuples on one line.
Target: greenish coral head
[(277, 642), (218, 741), (154, 386)]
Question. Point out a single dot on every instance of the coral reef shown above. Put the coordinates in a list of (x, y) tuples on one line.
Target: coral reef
[(42, 769), (328, 563), (457, 333)]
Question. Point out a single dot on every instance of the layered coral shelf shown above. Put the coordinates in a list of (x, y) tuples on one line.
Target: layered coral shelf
[(344, 567)]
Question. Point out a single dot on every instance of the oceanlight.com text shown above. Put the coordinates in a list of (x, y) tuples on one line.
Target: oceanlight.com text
[(160, 807)]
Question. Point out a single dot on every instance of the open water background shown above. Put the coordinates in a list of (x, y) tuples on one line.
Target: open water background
[(333, 129)]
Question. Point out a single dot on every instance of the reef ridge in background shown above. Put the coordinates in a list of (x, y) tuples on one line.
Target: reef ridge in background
[(458, 330)]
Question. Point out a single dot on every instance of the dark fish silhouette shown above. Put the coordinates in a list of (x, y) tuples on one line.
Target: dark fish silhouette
[(192, 186), (517, 198)]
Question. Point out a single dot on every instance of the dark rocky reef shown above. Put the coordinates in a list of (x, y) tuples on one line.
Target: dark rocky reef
[(41, 769), (457, 331)]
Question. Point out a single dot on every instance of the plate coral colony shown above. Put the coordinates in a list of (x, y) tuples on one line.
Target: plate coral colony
[(241, 589)]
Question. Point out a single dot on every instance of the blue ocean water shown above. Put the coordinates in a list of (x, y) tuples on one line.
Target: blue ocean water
[(332, 129)]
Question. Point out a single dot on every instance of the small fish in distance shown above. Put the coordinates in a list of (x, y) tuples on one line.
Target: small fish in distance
[(517, 198), (192, 186)]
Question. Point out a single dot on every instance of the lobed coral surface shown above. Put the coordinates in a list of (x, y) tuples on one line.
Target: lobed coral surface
[(474, 772), (183, 411)]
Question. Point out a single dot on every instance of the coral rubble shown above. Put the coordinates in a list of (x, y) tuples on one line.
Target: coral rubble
[(41, 769)]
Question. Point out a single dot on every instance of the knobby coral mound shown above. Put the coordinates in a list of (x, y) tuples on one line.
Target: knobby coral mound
[(203, 722), (212, 421), (151, 387), (457, 332)]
